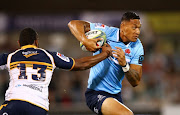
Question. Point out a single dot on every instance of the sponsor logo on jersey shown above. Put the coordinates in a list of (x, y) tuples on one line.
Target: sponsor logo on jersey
[(34, 87), (99, 25), (61, 56), (18, 85), (141, 58), (28, 54)]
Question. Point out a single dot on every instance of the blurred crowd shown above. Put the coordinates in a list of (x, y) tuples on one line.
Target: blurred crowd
[(160, 79)]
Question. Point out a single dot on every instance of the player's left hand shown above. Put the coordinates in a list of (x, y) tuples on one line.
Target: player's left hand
[(120, 55)]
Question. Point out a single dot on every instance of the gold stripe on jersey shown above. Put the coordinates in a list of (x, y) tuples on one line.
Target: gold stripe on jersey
[(29, 102), (30, 64)]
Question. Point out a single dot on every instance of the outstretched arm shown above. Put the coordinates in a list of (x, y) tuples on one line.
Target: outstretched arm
[(87, 62), (78, 28), (133, 72)]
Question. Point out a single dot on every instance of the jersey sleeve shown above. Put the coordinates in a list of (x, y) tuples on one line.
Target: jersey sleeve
[(138, 56), (3, 59), (62, 61), (99, 26), (109, 31)]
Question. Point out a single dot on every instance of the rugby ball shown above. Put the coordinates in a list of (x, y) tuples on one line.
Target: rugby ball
[(93, 34)]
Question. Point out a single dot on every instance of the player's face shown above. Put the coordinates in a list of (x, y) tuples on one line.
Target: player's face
[(131, 30)]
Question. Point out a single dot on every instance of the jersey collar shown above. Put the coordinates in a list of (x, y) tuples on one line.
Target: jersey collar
[(28, 46)]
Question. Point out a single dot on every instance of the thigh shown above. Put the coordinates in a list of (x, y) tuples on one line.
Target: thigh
[(7, 109), (94, 100), (112, 106)]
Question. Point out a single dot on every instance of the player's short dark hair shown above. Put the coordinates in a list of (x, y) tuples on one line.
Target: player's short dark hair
[(127, 16), (27, 36)]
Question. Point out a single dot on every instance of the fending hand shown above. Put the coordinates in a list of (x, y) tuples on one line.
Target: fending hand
[(107, 48)]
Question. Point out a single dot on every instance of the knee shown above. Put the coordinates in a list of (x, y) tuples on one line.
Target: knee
[(128, 113)]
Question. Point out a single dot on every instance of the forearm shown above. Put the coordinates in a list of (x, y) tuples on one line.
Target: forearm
[(133, 77), (77, 28), (88, 62)]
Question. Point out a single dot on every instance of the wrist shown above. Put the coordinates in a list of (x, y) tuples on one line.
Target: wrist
[(126, 68), (106, 53), (84, 40)]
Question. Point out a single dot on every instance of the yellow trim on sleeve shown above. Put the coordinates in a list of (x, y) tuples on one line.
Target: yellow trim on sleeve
[(29, 102), (73, 64)]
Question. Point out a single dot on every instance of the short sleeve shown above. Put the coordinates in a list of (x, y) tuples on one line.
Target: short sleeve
[(111, 32), (99, 26), (138, 56), (62, 61)]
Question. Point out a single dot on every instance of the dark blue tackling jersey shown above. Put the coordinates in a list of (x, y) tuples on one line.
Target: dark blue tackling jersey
[(30, 69), (32, 54)]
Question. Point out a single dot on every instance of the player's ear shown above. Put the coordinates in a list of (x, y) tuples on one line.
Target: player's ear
[(18, 43), (36, 43), (122, 24)]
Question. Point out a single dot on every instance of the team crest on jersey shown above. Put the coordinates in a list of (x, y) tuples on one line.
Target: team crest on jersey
[(99, 25), (127, 51), (63, 57), (28, 54)]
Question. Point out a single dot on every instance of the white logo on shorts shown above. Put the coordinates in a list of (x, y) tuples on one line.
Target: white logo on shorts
[(96, 110), (100, 97), (5, 113)]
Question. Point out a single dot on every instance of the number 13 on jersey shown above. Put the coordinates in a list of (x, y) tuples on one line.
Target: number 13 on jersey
[(35, 71)]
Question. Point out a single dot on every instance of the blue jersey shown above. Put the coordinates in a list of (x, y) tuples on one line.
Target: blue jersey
[(108, 74), (30, 69)]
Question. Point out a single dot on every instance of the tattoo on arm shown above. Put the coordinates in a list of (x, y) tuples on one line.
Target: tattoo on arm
[(133, 77)]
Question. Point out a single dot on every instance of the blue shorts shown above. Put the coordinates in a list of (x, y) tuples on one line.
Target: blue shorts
[(94, 99), (16, 107)]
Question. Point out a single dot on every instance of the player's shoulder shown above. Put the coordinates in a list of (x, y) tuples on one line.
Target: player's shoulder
[(101, 25), (137, 44)]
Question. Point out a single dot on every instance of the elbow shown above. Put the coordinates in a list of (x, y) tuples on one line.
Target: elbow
[(135, 83), (71, 23)]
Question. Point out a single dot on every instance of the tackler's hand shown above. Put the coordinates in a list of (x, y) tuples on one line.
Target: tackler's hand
[(107, 48)]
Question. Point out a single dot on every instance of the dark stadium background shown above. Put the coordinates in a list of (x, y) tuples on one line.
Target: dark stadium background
[(159, 91)]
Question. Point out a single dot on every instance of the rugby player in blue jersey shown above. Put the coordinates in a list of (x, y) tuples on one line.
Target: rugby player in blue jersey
[(31, 68), (103, 94)]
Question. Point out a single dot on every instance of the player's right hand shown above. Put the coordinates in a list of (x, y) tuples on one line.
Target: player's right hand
[(107, 48), (90, 44)]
